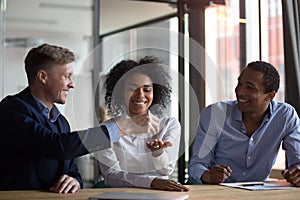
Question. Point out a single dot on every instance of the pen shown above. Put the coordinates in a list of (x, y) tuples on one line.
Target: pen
[(251, 184)]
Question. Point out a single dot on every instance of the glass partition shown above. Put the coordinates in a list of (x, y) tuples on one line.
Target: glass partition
[(2, 48)]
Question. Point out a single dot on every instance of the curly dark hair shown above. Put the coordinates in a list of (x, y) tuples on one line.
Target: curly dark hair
[(271, 75), (149, 66)]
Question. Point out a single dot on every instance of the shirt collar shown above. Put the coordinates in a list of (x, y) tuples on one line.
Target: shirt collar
[(237, 113), (45, 110)]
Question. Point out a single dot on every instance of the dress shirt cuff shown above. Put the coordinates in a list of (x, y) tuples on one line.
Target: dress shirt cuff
[(95, 139), (144, 181), (113, 131), (195, 175)]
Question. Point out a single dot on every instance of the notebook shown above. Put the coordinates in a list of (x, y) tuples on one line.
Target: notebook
[(140, 196)]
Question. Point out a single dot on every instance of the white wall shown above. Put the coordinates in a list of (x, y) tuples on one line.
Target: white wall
[(15, 76)]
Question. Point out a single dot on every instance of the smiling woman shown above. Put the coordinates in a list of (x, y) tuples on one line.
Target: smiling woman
[(138, 94), (120, 75), (141, 91)]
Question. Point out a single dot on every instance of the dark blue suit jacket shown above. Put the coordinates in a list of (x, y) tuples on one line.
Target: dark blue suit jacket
[(35, 152)]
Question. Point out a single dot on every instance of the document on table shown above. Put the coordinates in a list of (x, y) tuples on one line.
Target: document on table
[(140, 196), (264, 185)]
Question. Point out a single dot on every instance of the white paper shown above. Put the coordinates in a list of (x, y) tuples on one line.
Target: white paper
[(263, 185)]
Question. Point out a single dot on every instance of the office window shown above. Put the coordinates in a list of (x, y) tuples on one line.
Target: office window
[(222, 46), (272, 50), (272, 39)]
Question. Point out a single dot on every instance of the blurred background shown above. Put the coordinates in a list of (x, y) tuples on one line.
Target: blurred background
[(205, 43)]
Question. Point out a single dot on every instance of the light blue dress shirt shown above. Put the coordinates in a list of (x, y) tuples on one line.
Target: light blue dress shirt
[(112, 129), (46, 112), (221, 139)]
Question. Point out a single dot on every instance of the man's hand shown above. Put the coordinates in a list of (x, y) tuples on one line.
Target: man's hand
[(292, 175), (170, 185), (65, 184), (146, 123), (217, 174)]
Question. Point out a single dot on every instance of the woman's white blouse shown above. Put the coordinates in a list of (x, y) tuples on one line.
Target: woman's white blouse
[(129, 162)]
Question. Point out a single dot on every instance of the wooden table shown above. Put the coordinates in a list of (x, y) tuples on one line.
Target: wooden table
[(197, 192)]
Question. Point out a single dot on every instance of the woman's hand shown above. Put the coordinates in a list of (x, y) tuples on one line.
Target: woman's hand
[(149, 121), (157, 144), (145, 123), (170, 185)]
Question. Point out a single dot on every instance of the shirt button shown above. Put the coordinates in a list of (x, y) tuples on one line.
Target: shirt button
[(244, 173), (251, 139), (249, 157)]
